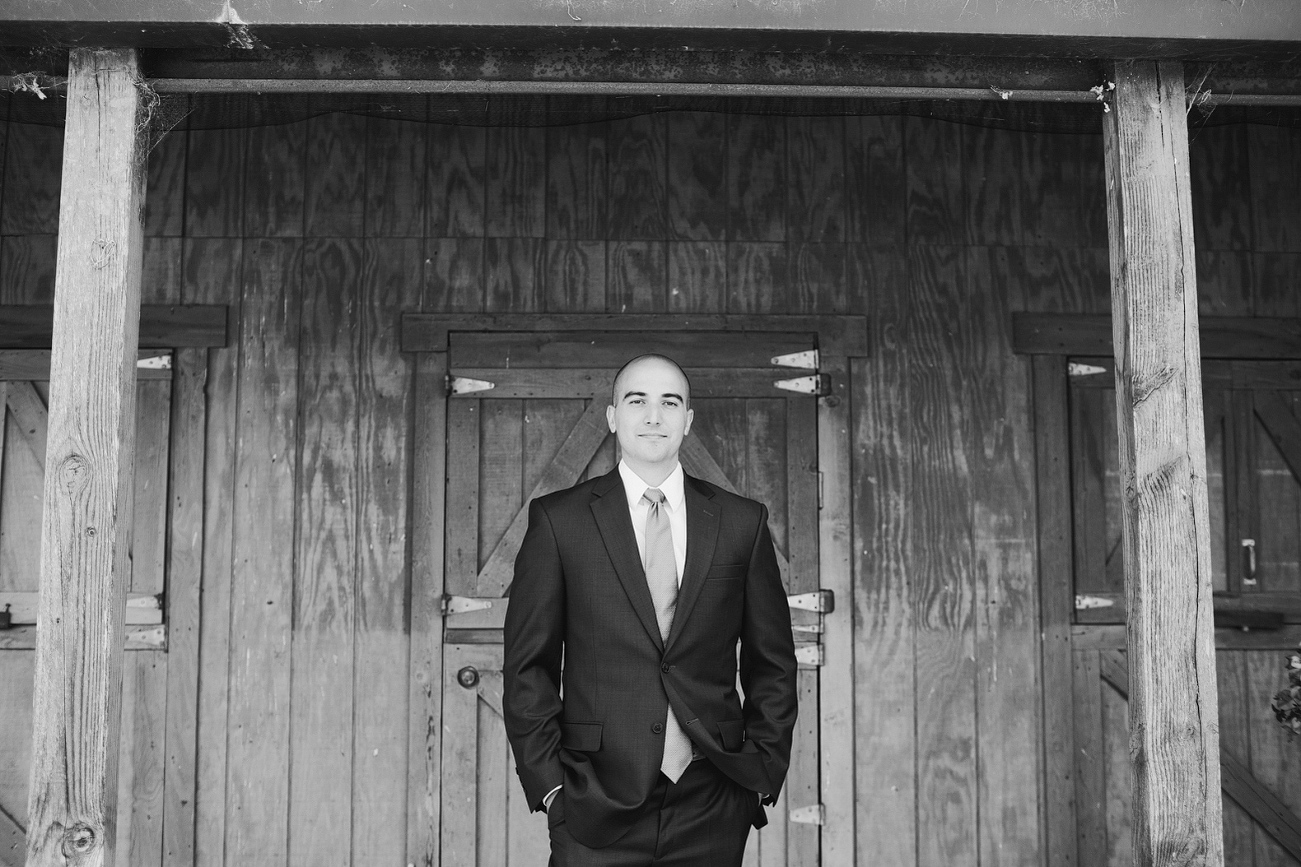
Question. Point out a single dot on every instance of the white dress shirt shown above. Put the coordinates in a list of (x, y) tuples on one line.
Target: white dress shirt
[(674, 500)]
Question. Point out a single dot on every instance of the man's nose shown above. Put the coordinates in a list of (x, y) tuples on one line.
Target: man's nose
[(653, 414)]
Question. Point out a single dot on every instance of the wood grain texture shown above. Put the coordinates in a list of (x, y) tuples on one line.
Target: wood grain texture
[(1235, 740), (1224, 283), (756, 178), (576, 177), (141, 797), (1221, 175), (389, 282), (275, 180), (756, 277), (165, 201), (636, 277), (1177, 810), (1090, 770), (454, 269), (935, 181), (214, 200), (697, 276), (27, 268), (574, 280), (31, 180), (874, 180), (1274, 154), (325, 554), (992, 163), (516, 163), (941, 557), (884, 682), (334, 202), (257, 729), (998, 441), (462, 510), (84, 559), (1057, 610), (396, 185), (185, 550), (456, 178), (638, 184), (697, 176), (513, 273), (815, 173)]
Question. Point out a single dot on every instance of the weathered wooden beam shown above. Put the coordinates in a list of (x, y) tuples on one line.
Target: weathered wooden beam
[(84, 547), (162, 326), (1220, 336), (1173, 709)]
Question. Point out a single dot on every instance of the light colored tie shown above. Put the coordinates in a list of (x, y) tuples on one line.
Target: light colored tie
[(662, 578)]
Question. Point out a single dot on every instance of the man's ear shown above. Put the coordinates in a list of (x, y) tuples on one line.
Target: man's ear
[(691, 414), (609, 417)]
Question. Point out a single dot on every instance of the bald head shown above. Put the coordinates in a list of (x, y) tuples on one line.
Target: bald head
[(620, 378)]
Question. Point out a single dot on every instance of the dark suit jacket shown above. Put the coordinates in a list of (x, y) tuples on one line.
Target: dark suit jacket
[(580, 593)]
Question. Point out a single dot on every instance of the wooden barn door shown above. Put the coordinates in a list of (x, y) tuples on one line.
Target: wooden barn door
[(525, 415)]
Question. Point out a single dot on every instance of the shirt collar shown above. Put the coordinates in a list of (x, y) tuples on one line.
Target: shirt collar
[(673, 487)]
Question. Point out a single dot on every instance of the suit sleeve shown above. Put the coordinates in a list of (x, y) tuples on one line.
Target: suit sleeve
[(768, 668), (534, 642)]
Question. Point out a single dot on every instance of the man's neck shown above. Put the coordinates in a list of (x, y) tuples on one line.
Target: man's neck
[(652, 474)]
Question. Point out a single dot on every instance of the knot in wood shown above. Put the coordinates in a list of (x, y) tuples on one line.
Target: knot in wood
[(74, 471), (102, 252), (79, 841)]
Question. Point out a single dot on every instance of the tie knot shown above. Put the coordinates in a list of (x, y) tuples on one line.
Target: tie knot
[(654, 496)]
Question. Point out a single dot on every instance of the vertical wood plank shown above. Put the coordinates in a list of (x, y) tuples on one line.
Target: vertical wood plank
[(637, 275), (836, 718), (334, 204), (697, 276), (638, 184), (261, 597), (165, 203), (942, 566), (462, 515), (1057, 609), (697, 176), (934, 176), (396, 183), (31, 180), (85, 547), (1116, 762), (455, 173), (1090, 776), (184, 570), (425, 730), (815, 172), (756, 178), (214, 188), (992, 166), (140, 786), (1177, 810), (27, 265), (576, 174), (389, 283), (275, 180), (1003, 544), (575, 276), (1220, 175), (516, 172), (1274, 154), (325, 556), (501, 489), (1235, 739), (884, 673), (212, 275), (874, 180)]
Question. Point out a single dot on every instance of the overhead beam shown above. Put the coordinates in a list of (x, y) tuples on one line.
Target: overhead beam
[(1173, 711), (84, 545), (1219, 336)]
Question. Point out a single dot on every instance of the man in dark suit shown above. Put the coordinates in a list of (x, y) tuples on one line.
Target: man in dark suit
[(643, 581)]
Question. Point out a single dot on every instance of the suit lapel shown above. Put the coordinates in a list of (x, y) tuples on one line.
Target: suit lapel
[(702, 537), (610, 508)]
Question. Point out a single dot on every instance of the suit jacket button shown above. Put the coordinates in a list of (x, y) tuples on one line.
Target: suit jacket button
[(665, 667), (658, 728)]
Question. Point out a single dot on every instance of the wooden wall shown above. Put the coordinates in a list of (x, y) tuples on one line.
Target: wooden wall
[(317, 233)]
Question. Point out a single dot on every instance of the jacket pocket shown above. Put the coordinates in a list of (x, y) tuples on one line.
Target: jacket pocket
[(730, 571), (582, 737), (731, 734)]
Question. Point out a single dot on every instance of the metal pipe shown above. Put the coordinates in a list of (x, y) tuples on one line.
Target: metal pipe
[(609, 88)]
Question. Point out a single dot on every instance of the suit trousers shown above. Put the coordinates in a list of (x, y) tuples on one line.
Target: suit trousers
[(700, 821)]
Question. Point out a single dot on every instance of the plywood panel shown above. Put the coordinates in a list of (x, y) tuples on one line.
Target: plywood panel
[(27, 268), (214, 188), (325, 553), (454, 270), (992, 162), (259, 712), (165, 187), (575, 276), (1221, 188), (697, 176), (334, 203), (940, 556), (756, 277), (396, 186), (874, 180), (756, 178), (933, 169), (516, 160), (456, 171), (576, 174), (31, 180), (1274, 154), (513, 274), (815, 171), (637, 275), (697, 276), (638, 182)]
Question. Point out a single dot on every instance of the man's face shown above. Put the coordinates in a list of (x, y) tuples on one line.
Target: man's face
[(650, 415)]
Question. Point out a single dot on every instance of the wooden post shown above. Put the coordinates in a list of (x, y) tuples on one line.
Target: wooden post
[(1174, 728), (88, 465)]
